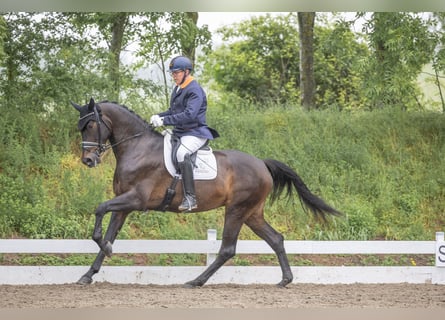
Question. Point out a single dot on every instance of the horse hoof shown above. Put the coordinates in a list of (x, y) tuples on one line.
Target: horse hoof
[(85, 280), (108, 249), (191, 285), (283, 283)]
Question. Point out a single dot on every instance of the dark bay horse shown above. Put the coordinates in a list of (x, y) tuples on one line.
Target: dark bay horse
[(140, 181)]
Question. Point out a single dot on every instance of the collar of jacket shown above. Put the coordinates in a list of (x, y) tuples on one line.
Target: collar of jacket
[(186, 82)]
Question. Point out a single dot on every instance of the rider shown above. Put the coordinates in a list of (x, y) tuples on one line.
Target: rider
[(187, 113)]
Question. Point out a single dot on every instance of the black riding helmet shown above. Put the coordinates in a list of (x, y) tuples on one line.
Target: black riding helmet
[(180, 63)]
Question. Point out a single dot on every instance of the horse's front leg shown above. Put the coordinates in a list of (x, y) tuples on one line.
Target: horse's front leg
[(125, 202), (116, 222)]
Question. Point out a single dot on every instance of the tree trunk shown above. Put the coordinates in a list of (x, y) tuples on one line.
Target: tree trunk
[(440, 89), (307, 79), (117, 34), (188, 47)]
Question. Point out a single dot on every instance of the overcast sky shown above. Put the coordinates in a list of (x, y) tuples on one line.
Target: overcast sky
[(216, 20)]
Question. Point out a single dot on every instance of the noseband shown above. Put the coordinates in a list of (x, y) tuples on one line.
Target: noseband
[(96, 116)]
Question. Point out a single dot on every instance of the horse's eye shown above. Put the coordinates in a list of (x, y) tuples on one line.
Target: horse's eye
[(90, 125)]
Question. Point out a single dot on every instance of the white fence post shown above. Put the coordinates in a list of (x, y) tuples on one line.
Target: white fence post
[(440, 249), (211, 236)]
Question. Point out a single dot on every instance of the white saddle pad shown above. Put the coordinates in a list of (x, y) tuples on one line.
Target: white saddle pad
[(205, 166)]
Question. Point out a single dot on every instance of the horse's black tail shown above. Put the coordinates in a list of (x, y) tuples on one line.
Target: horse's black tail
[(285, 177)]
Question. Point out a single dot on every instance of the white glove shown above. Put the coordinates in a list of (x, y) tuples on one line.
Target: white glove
[(156, 121)]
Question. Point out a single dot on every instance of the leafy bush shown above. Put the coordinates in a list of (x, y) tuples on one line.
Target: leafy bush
[(384, 169)]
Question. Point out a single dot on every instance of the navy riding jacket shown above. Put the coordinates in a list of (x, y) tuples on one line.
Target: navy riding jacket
[(187, 112)]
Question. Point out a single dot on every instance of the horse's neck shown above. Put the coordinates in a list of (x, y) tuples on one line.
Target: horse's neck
[(129, 132), (124, 123), (144, 151)]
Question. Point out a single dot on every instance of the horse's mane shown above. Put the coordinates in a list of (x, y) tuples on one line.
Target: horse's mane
[(134, 114)]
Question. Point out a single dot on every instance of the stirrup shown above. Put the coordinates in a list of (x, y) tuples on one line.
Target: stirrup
[(188, 204)]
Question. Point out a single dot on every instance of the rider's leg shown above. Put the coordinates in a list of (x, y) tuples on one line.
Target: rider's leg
[(189, 145), (188, 183)]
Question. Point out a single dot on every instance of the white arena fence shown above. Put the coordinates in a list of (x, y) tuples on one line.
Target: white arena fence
[(167, 275)]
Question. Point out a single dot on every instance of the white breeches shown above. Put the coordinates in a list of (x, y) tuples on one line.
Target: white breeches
[(189, 144)]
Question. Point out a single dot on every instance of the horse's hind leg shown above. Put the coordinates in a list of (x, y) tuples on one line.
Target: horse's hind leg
[(232, 227), (116, 221), (275, 240)]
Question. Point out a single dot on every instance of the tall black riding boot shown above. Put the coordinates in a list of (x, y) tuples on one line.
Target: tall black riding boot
[(188, 183)]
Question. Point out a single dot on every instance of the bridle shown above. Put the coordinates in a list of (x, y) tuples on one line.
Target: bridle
[(96, 116)]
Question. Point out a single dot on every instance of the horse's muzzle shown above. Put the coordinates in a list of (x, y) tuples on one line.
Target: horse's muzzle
[(91, 160)]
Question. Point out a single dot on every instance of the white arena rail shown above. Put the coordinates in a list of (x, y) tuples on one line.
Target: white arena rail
[(16, 275)]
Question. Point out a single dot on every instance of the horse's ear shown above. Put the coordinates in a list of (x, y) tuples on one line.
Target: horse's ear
[(78, 108), (91, 104)]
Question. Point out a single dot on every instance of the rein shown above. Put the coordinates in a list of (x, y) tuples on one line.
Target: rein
[(96, 115), (102, 147)]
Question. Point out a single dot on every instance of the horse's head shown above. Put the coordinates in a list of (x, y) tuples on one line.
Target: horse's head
[(95, 132)]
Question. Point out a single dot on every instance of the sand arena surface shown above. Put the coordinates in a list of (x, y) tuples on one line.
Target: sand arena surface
[(106, 295)]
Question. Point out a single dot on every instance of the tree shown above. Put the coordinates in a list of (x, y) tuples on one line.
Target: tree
[(116, 30), (163, 35), (188, 42), (259, 61), (401, 44), (338, 57), (306, 22), (2, 36), (42, 55), (438, 62), (20, 38)]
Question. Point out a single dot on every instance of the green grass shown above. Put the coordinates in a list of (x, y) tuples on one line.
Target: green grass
[(384, 169), (200, 260)]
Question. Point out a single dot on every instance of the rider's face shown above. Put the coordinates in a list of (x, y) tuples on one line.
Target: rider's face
[(178, 75)]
